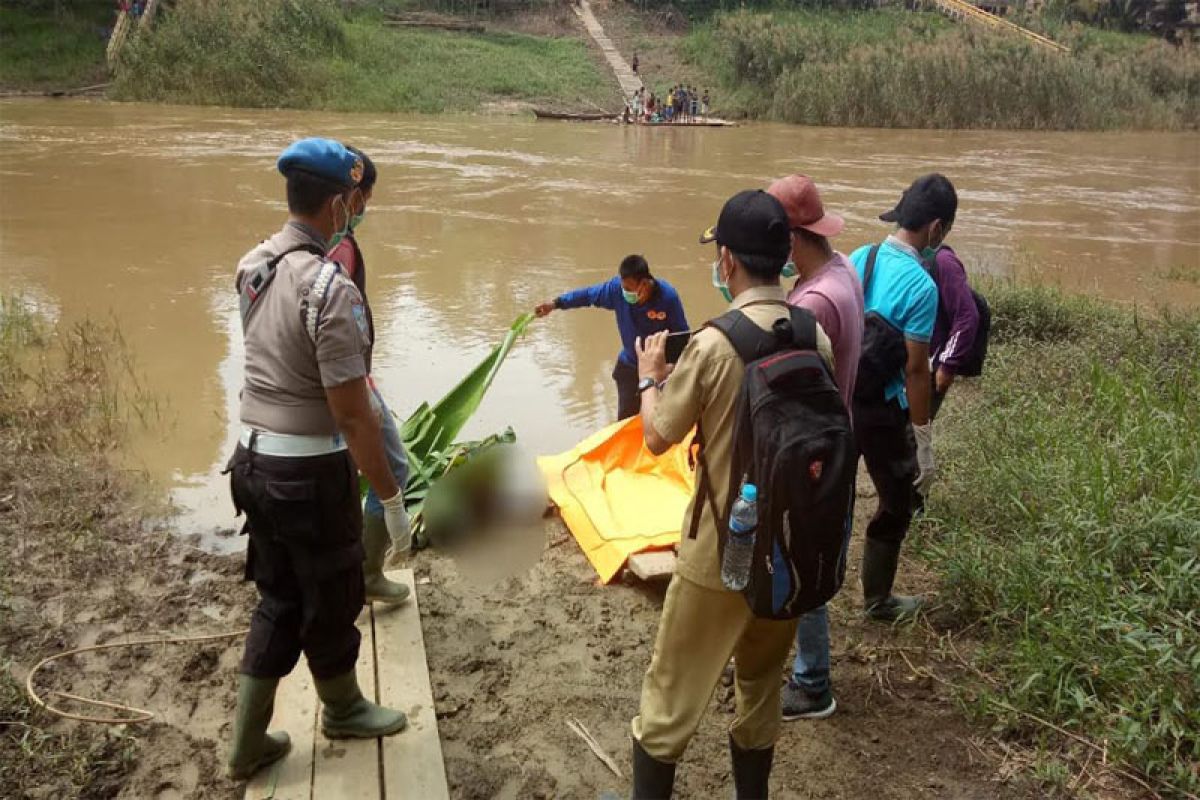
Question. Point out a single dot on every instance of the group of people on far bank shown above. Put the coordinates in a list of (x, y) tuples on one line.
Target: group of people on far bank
[(679, 104), (135, 8), (313, 420)]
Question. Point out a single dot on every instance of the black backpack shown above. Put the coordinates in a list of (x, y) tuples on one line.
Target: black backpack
[(792, 439), (972, 365), (884, 354)]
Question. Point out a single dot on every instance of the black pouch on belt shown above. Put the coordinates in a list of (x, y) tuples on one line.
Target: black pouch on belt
[(295, 511)]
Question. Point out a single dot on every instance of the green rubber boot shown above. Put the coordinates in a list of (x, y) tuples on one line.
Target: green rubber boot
[(375, 546), (879, 563), (254, 748), (346, 714)]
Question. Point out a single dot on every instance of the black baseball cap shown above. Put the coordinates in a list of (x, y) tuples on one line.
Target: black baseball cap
[(929, 197), (752, 223)]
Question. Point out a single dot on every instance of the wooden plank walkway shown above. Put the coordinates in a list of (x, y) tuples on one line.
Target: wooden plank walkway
[(626, 77), (658, 565), (124, 26), (963, 11), (391, 670)]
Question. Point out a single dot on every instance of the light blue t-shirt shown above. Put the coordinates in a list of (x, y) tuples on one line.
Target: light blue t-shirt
[(901, 292)]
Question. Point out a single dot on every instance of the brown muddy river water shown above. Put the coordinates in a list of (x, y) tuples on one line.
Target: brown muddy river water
[(140, 213)]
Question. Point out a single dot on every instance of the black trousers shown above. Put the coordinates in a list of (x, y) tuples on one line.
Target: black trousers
[(887, 445), (629, 402), (305, 556), (935, 397)]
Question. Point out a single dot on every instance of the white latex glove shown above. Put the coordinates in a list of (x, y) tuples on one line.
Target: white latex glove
[(396, 519), (926, 467)]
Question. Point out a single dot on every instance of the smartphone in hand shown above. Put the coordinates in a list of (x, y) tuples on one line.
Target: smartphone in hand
[(675, 344)]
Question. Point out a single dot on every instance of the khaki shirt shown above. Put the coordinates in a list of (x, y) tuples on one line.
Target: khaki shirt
[(287, 372), (704, 389)]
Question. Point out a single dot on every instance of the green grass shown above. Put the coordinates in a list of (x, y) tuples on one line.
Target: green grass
[(1182, 272), (435, 71), (307, 54), (1068, 524), (42, 48), (892, 68)]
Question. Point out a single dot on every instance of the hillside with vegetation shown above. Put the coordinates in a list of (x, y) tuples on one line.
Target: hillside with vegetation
[(317, 54), (828, 62), (53, 44), (891, 68)]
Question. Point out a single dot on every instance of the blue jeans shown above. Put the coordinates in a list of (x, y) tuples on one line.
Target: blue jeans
[(393, 448), (810, 670)]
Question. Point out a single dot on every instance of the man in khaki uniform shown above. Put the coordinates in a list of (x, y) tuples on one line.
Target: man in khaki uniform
[(703, 623), (305, 412)]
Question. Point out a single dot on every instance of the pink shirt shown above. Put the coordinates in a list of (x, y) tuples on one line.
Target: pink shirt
[(835, 297)]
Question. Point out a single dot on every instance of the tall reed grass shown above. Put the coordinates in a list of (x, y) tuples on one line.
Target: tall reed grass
[(264, 53), (1068, 524), (892, 68)]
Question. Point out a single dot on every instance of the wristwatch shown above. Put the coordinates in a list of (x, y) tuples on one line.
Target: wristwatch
[(645, 383)]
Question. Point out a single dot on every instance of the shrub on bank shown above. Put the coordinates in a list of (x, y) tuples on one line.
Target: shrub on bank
[(1068, 522), (900, 69), (265, 53)]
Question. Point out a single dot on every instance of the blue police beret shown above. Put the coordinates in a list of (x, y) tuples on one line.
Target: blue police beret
[(324, 158)]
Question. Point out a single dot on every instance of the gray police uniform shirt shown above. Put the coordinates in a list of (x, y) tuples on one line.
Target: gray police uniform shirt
[(287, 370)]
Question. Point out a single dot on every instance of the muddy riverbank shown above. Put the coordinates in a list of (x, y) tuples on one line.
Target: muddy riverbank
[(81, 563)]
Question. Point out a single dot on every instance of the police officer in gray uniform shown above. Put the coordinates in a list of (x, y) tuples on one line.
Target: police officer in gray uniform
[(309, 428)]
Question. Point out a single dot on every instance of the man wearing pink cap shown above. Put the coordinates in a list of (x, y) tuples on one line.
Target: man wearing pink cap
[(829, 287)]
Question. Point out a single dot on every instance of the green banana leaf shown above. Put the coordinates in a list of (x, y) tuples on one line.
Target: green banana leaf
[(429, 434), (429, 430)]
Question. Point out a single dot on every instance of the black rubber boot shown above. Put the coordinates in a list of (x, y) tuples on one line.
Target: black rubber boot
[(879, 563), (652, 779), (751, 771)]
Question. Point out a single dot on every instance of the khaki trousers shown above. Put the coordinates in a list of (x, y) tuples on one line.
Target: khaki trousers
[(700, 629)]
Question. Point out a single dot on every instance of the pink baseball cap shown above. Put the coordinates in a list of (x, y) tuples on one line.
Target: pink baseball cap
[(802, 201)]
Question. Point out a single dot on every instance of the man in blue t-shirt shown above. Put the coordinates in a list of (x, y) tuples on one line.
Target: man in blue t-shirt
[(643, 305), (893, 429)]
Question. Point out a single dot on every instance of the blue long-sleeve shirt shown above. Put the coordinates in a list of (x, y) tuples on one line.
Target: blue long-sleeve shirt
[(662, 312)]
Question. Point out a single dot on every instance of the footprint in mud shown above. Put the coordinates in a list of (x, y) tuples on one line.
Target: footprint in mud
[(184, 784), (331, 750)]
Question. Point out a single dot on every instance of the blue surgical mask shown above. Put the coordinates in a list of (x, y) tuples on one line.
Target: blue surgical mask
[(357, 219), (630, 297), (720, 284), (789, 269), (930, 252)]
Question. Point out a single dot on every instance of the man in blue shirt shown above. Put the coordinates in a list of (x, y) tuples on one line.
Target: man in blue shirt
[(892, 426), (643, 305)]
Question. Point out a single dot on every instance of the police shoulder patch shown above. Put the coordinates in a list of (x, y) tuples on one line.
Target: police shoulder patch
[(360, 318)]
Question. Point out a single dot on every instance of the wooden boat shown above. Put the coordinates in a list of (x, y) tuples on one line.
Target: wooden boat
[(594, 117), (711, 122)]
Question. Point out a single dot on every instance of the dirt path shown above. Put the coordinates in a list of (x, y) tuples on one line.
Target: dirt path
[(626, 77), (655, 37), (510, 665)]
